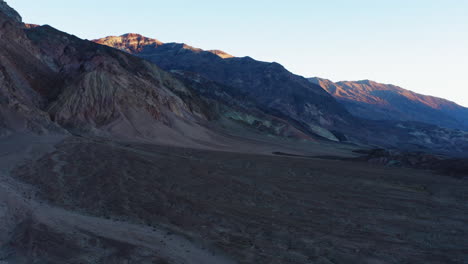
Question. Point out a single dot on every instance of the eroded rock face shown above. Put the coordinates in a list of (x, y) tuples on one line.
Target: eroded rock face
[(130, 42), (55, 82), (22, 75)]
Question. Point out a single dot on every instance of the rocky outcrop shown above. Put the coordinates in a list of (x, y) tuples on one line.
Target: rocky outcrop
[(130, 42), (221, 54), (136, 43), (29, 26)]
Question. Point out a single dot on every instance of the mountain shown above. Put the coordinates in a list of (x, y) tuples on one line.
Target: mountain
[(107, 158), (53, 82), (107, 92), (251, 86), (273, 88), (22, 76), (376, 101)]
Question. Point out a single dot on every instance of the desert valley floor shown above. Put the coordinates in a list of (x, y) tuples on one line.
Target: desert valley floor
[(146, 203)]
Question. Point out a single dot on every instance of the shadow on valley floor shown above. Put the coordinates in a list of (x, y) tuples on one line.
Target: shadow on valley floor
[(261, 208)]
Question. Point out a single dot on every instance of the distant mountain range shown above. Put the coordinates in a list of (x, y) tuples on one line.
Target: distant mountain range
[(269, 88), (377, 101), (173, 93)]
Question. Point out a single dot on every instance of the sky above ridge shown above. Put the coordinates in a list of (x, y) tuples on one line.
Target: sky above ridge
[(418, 45)]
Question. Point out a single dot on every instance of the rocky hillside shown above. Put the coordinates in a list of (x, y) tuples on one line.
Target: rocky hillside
[(110, 92), (376, 101), (53, 82), (22, 76)]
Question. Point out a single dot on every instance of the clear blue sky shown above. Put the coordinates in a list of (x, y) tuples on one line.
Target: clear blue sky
[(421, 45)]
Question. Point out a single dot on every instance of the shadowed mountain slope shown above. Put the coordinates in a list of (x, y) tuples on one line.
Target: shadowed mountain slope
[(255, 86), (376, 101), (269, 85)]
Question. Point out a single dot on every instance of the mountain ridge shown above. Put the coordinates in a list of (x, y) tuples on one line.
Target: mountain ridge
[(373, 100), (135, 43), (274, 90), (269, 84)]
